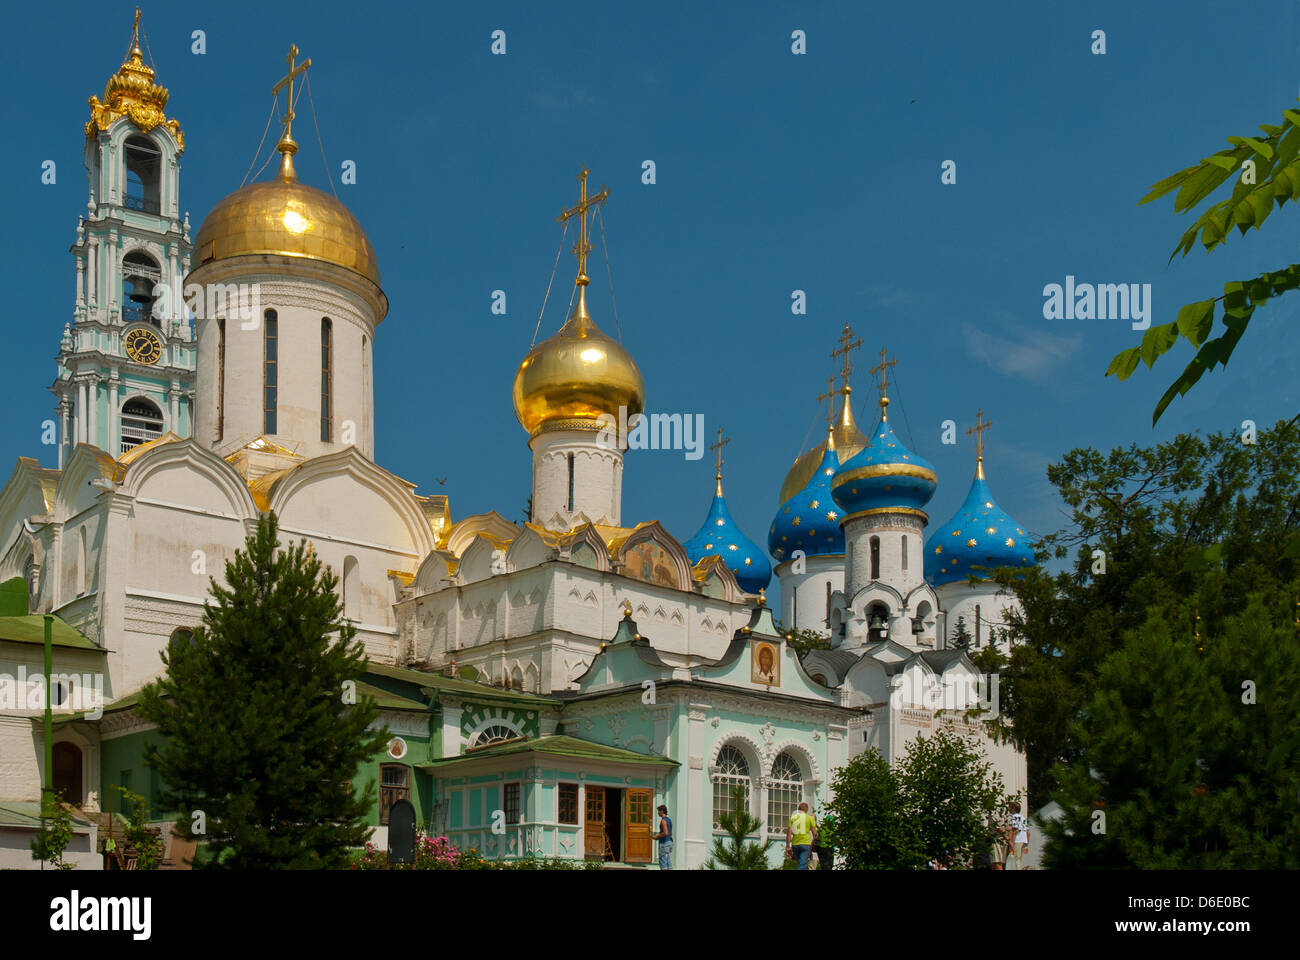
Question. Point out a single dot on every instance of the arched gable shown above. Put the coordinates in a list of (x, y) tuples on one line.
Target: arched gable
[(653, 531), (476, 563), (491, 523), (435, 572), (587, 536), (529, 549), (878, 592), (353, 498), (716, 580), (74, 492), (186, 472), (867, 682)]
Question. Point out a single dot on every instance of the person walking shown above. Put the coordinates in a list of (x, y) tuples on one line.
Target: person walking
[(665, 838), (799, 835), (1017, 837)]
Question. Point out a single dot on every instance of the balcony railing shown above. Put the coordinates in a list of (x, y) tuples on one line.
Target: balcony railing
[(142, 204)]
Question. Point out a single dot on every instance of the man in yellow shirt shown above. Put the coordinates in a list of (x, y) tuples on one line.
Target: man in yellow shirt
[(799, 835)]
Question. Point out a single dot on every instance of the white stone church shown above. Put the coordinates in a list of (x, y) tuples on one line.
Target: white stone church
[(511, 661)]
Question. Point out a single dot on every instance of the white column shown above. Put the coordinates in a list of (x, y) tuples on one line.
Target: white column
[(175, 293), (65, 425), (92, 273), (114, 417), (173, 406), (81, 411), (92, 419), (451, 718), (699, 803), (81, 282)]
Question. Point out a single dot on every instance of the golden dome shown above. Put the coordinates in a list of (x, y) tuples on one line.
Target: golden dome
[(286, 217), (131, 93), (848, 441), (571, 379)]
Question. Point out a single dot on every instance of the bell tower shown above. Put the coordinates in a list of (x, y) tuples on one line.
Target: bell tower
[(126, 361)]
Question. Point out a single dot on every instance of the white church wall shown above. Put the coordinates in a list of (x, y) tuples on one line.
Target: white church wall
[(804, 603)]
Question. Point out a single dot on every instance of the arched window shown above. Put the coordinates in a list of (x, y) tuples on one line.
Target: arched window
[(732, 771), (142, 421), (140, 275), (828, 603), (570, 481), (495, 733), (82, 556), (784, 793), (143, 174), (29, 577), (270, 338), (351, 589), (67, 772), (326, 378), (905, 554), (977, 624), (875, 558), (221, 378), (516, 678)]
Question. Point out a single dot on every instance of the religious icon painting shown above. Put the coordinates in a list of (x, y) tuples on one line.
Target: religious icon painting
[(765, 664)]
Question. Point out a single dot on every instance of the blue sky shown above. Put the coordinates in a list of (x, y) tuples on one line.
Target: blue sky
[(775, 172)]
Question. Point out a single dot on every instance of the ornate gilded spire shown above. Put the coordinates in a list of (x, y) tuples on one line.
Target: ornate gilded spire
[(131, 93), (717, 448), (287, 145), (978, 430), (883, 369)]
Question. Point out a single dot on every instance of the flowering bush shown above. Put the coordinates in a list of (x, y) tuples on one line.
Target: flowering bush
[(431, 853)]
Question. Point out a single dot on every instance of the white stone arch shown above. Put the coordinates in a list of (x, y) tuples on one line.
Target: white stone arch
[(162, 406), (528, 549), (587, 536), (654, 530), (747, 745), (74, 492), (492, 720), (121, 130), (194, 461), (434, 572), (490, 523), (351, 464), (806, 759), (89, 760), (476, 562), (532, 678)]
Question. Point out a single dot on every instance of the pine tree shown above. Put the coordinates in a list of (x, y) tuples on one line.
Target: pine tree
[(264, 731), (961, 638), (738, 851)]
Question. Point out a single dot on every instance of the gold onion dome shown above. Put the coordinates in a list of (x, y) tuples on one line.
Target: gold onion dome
[(848, 440), (576, 376), (288, 218)]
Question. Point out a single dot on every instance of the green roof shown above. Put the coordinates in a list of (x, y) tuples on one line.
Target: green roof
[(31, 629), (27, 813), (559, 746), (454, 686), (390, 701)]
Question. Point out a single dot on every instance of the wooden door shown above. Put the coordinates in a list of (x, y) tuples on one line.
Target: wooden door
[(594, 823), (637, 831)]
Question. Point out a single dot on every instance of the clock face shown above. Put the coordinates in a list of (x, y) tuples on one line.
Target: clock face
[(143, 345)]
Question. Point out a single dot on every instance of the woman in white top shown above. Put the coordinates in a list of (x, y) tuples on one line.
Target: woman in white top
[(1017, 836)]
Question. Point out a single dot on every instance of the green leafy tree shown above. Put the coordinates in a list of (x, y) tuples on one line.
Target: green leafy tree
[(871, 827), (264, 731), (803, 641), (1265, 171), (54, 834), (1190, 749), (738, 851), (1192, 526), (961, 638), (148, 846), (950, 794)]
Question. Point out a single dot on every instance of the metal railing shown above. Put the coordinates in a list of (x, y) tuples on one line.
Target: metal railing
[(142, 204)]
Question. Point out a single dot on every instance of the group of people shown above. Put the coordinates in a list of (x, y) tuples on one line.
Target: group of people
[(801, 835)]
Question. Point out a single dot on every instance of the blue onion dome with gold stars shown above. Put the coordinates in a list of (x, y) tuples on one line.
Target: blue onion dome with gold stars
[(979, 538), (884, 475), (810, 520), (720, 535)]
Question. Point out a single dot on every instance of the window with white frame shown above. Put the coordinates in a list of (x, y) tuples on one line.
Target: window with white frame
[(784, 792), (496, 733), (732, 771)]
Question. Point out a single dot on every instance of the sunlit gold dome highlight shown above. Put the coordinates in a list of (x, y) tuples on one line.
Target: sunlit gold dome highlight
[(285, 216), (571, 379), (848, 441)]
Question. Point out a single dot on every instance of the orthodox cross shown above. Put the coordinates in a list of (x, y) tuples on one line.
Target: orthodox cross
[(135, 31), (293, 72), (580, 211), (847, 344), (978, 430), (829, 395), (883, 369), (717, 448)]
